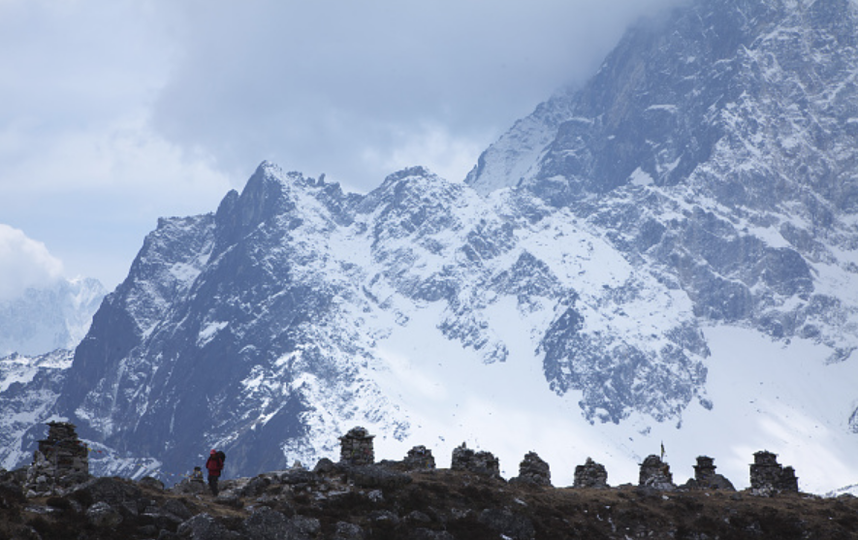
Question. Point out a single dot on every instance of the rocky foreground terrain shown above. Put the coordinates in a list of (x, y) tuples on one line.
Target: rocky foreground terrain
[(382, 501)]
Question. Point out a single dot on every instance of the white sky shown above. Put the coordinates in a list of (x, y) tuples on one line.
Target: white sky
[(116, 112)]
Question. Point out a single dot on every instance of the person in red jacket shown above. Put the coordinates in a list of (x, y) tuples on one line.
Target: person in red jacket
[(215, 465)]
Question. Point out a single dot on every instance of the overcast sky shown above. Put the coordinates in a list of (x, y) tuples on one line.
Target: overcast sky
[(115, 112)]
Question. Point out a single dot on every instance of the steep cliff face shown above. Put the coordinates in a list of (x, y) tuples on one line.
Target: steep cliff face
[(717, 148)]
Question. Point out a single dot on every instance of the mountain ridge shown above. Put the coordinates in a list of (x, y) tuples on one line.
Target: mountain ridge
[(581, 290)]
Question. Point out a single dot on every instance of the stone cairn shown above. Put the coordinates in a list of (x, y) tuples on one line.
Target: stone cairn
[(465, 459), (705, 476), (419, 458), (768, 476), (356, 447), (60, 461), (656, 474), (591, 475), (533, 470)]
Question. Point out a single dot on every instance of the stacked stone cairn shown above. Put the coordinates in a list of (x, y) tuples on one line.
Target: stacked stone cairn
[(419, 458), (591, 475), (769, 477), (533, 470), (465, 459), (705, 476), (356, 447), (61, 461), (656, 474)]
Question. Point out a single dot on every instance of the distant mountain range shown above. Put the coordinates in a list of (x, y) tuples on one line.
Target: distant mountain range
[(42, 320), (667, 255)]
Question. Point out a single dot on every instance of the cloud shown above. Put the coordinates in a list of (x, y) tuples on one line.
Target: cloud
[(24, 263), (117, 112), (80, 166), (343, 87)]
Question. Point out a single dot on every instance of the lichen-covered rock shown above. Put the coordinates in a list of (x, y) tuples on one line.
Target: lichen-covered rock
[(266, 524), (102, 514), (151, 483), (374, 476), (508, 524), (348, 531), (205, 527)]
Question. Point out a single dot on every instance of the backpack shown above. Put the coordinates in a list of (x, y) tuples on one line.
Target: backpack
[(221, 456)]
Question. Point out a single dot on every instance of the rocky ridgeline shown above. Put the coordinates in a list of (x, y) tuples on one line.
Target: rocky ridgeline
[(357, 498)]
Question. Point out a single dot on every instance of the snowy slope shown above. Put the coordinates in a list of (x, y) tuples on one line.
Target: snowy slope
[(29, 388), (765, 395)]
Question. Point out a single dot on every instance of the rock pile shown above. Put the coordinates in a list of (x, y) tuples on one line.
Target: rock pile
[(356, 447), (656, 474), (485, 463), (591, 475), (61, 461), (419, 458), (533, 470), (705, 476), (768, 476)]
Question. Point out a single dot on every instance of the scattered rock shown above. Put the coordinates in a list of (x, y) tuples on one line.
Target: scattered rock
[(102, 514), (375, 476), (267, 524), (151, 483), (348, 531), (508, 524), (205, 527)]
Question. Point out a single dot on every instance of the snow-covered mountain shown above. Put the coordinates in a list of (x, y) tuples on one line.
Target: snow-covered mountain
[(666, 255), (45, 319)]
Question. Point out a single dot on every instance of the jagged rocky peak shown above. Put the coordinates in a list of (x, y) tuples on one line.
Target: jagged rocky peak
[(717, 146), (701, 178), (264, 197), (672, 94)]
